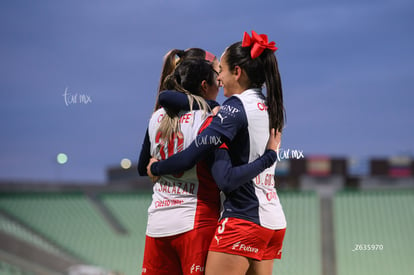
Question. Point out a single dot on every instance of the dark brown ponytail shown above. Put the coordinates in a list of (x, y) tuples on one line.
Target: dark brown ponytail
[(262, 70)]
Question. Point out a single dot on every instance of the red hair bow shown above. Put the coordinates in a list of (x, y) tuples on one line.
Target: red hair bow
[(258, 42)]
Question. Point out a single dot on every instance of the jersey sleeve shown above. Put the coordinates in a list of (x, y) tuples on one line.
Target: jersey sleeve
[(230, 119), (224, 127), (144, 156), (229, 178), (186, 159)]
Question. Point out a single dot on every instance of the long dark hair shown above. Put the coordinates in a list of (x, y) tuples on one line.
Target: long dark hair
[(171, 60), (186, 78), (261, 70)]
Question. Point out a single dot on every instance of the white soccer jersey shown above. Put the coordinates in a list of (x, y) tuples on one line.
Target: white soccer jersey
[(271, 214), (244, 120), (180, 202)]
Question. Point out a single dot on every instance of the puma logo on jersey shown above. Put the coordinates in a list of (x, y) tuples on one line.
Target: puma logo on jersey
[(221, 117)]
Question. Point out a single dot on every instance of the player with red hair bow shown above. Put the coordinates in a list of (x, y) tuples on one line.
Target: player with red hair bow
[(252, 225)]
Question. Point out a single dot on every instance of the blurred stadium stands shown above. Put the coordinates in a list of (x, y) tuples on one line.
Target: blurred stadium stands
[(344, 217)]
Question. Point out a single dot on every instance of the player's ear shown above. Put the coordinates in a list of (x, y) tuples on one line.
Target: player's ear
[(204, 87), (237, 72)]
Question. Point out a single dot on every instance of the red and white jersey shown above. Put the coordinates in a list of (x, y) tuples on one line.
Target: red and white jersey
[(270, 210), (244, 120), (190, 199)]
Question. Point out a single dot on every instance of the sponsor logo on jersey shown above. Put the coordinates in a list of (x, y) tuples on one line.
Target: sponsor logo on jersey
[(242, 247), (271, 195), (196, 268), (235, 245), (186, 118), (166, 203), (227, 109), (262, 106), (160, 118)]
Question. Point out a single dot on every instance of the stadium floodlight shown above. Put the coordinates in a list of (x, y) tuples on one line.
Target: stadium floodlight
[(62, 158), (126, 163)]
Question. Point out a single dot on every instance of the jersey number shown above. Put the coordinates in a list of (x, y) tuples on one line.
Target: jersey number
[(174, 145), (222, 226)]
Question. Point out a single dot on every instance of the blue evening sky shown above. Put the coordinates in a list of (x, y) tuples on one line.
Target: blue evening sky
[(346, 67)]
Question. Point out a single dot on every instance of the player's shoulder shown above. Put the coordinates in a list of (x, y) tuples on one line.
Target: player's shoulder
[(156, 113), (156, 118), (233, 106), (232, 115)]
